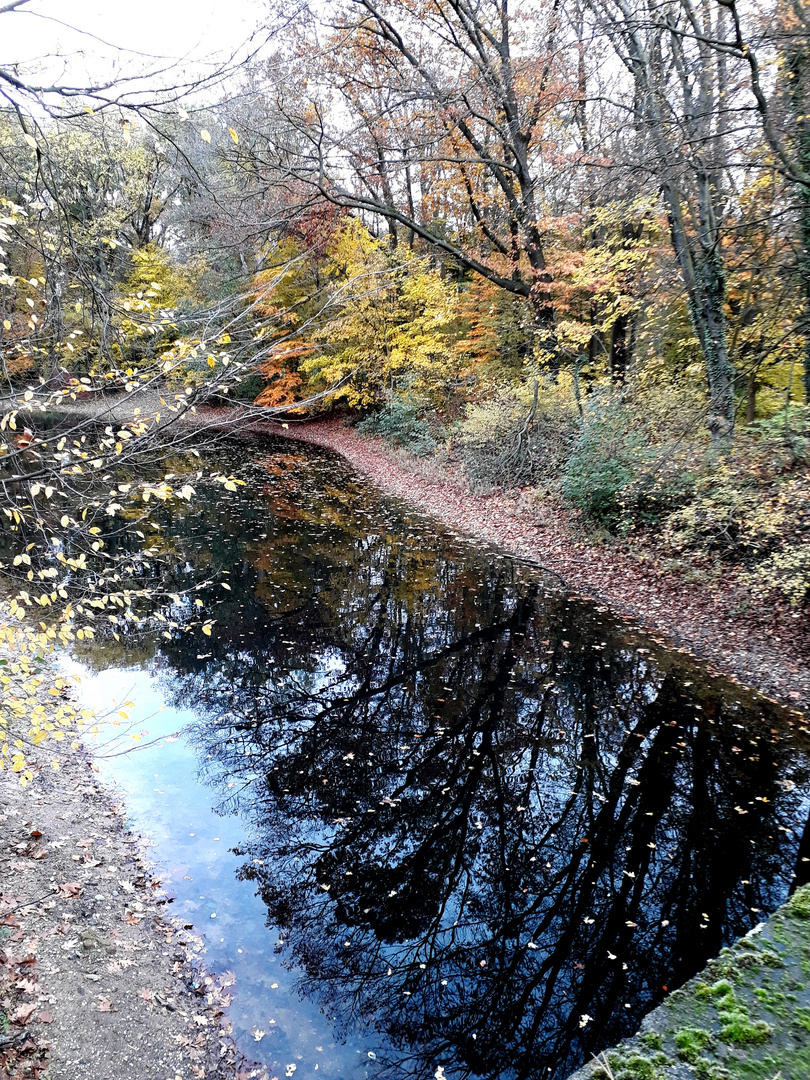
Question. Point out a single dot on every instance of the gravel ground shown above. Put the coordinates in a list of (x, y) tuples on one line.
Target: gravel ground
[(97, 982)]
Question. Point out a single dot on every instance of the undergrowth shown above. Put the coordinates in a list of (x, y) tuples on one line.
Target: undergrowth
[(635, 462)]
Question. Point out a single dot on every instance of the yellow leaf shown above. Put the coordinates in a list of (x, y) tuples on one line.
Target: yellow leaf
[(234, 136), (207, 631), (205, 135)]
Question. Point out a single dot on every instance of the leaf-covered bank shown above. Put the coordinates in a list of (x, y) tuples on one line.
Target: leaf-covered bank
[(761, 646)]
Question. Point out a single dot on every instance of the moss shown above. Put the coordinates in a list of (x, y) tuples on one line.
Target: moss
[(799, 904), (634, 1066), (704, 991), (705, 1070), (774, 1000), (736, 1025), (691, 1042), (740, 1029), (733, 963), (638, 1068), (652, 1040)]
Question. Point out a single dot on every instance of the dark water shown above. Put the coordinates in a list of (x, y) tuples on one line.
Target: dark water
[(488, 826)]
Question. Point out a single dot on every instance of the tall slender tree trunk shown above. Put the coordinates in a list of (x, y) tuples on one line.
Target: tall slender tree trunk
[(705, 280), (798, 66), (709, 317)]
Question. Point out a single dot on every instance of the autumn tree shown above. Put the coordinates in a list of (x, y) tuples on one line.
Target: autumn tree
[(435, 119), (700, 116)]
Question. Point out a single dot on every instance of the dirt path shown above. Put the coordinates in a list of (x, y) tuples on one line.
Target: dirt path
[(768, 649), (96, 981)]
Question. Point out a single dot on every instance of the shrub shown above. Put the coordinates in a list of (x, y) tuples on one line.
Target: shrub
[(786, 571), (605, 461), (719, 518), (759, 522), (511, 441), (784, 437), (402, 422)]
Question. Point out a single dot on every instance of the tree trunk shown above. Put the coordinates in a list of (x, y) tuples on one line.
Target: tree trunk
[(705, 280), (709, 316), (751, 398), (621, 346), (799, 67)]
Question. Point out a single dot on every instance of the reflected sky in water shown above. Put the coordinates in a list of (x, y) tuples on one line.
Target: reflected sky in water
[(440, 812)]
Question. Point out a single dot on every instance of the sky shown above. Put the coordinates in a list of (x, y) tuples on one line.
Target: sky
[(186, 30)]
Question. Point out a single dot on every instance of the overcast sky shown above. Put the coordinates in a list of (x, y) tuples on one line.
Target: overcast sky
[(188, 29)]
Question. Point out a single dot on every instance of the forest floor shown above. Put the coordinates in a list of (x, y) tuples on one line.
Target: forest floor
[(97, 982), (758, 645)]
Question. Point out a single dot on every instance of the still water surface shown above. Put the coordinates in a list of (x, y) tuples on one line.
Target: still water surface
[(427, 808)]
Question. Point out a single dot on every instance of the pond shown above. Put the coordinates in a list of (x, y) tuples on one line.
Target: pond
[(428, 809)]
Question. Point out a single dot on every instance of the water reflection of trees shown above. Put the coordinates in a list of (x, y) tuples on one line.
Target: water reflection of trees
[(482, 812)]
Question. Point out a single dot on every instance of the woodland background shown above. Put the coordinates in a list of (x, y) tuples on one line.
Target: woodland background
[(562, 244)]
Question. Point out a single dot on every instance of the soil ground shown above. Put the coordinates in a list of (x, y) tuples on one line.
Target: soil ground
[(97, 982)]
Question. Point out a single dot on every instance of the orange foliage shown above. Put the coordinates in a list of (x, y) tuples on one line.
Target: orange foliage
[(282, 386)]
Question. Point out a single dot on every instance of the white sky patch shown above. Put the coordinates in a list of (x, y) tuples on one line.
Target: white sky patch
[(81, 41)]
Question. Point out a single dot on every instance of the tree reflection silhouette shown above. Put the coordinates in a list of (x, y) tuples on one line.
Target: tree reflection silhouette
[(483, 811)]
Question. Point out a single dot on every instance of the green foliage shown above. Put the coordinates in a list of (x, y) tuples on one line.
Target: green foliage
[(607, 458), (402, 422)]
